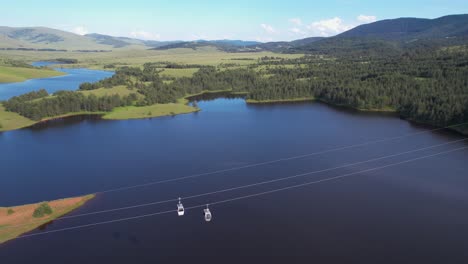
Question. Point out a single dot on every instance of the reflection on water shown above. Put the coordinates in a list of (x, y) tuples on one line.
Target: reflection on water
[(44, 226), (64, 121), (214, 95)]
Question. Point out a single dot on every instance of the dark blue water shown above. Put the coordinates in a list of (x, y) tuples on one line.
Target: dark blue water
[(411, 213), (70, 81)]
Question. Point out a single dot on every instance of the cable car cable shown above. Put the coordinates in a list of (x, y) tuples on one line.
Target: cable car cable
[(274, 161), (250, 185), (244, 196)]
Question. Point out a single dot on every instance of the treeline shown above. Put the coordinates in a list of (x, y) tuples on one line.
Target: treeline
[(427, 87), (66, 60), (63, 102), (149, 83), (15, 63), (430, 87)]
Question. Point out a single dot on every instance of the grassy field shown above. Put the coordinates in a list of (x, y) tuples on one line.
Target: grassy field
[(17, 74), (177, 73), (127, 57), (119, 90), (20, 220), (157, 110), (11, 121)]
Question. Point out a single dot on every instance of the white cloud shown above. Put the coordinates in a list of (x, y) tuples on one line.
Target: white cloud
[(328, 27), (366, 19), (296, 21), (80, 30), (141, 34), (269, 29), (297, 31)]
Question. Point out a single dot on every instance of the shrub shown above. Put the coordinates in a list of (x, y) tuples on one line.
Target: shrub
[(10, 211), (42, 210)]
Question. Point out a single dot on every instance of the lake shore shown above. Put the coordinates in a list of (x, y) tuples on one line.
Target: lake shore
[(16, 121), (19, 74), (18, 220)]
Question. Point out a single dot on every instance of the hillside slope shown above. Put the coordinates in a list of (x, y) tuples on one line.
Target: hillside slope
[(412, 28)]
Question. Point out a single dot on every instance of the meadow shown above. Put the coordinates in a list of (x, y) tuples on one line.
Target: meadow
[(11, 121), (135, 57), (18, 74)]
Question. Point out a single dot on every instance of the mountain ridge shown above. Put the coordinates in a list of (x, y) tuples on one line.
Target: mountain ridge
[(387, 32)]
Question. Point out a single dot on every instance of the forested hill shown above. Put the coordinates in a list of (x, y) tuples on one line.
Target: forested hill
[(412, 28), (386, 38)]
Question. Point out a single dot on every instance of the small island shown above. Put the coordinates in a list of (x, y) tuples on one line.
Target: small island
[(17, 220)]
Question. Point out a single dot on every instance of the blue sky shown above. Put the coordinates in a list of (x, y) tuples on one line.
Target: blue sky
[(240, 19)]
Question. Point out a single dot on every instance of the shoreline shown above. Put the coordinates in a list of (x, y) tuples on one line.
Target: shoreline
[(20, 219), (461, 131), (184, 101), (32, 74)]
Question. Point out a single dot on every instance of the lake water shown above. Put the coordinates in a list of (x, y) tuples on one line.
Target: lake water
[(411, 213), (70, 81)]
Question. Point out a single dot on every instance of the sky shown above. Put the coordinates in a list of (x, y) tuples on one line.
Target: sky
[(258, 20)]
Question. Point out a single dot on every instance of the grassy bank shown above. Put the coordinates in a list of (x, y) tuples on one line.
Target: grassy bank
[(18, 74), (157, 110), (12, 121), (17, 220)]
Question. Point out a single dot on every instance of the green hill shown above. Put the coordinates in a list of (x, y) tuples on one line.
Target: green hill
[(412, 28)]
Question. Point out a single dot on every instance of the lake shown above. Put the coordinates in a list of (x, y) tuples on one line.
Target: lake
[(70, 81), (410, 213)]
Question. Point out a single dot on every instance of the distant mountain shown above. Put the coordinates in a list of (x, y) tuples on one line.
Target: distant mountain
[(120, 42), (391, 37), (412, 28), (285, 45), (45, 38), (224, 45), (239, 43), (115, 42), (52, 39)]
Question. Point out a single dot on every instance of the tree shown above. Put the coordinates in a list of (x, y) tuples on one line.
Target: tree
[(42, 210)]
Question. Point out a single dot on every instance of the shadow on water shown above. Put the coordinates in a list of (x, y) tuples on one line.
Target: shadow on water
[(214, 96), (45, 226), (65, 121)]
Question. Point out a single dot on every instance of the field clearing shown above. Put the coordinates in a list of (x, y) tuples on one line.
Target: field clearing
[(11, 121), (177, 73), (18, 74), (21, 219), (121, 90), (157, 110), (134, 57)]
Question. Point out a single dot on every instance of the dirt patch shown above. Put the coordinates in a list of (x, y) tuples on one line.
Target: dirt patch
[(20, 220)]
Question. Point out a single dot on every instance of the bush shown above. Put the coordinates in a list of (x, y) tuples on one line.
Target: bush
[(10, 211), (42, 210)]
